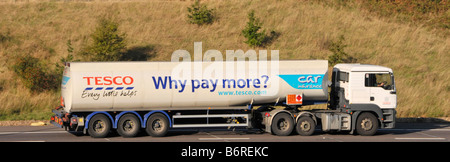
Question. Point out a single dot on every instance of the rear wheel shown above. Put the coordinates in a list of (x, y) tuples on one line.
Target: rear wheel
[(366, 124), (157, 125), (305, 126), (128, 125), (282, 124), (99, 126)]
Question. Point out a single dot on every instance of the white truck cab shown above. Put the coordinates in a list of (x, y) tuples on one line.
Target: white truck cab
[(367, 84), (365, 88)]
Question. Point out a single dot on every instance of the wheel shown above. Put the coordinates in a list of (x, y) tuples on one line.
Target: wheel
[(305, 126), (282, 124), (128, 125), (157, 125), (99, 126), (366, 124)]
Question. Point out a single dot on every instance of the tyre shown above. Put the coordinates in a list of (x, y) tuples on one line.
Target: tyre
[(305, 126), (157, 125), (282, 124), (99, 126), (128, 126), (366, 124)]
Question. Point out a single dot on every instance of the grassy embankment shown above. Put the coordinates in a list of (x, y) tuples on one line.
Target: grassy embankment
[(417, 52)]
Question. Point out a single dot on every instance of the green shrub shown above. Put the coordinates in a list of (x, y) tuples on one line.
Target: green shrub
[(59, 66), (200, 14), (108, 43), (338, 51), (32, 74), (339, 55), (252, 32), (69, 58)]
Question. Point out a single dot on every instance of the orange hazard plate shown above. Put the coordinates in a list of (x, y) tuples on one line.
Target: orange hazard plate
[(294, 99)]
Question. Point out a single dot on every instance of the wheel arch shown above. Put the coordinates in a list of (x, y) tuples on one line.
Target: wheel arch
[(146, 116), (274, 113), (123, 113), (306, 113), (88, 118), (358, 109)]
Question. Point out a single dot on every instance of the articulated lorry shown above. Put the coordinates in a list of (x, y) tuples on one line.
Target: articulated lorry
[(99, 97)]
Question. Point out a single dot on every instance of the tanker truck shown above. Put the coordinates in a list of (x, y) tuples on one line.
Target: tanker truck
[(128, 97)]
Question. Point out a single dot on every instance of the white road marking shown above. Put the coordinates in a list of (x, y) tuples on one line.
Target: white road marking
[(44, 132), (422, 132), (23, 141), (420, 138), (429, 135), (324, 138), (444, 130), (8, 133), (223, 138)]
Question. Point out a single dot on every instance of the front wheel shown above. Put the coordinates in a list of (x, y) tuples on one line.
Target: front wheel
[(366, 124)]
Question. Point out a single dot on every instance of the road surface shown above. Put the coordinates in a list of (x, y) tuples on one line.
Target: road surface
[(404, 132)]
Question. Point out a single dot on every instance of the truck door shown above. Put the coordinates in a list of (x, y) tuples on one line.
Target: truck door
[(382, 89)]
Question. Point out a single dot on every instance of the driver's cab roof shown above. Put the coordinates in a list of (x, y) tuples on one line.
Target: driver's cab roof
[(362, 68)]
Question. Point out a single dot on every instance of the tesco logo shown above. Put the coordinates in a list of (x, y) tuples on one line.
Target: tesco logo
[(109, 80)]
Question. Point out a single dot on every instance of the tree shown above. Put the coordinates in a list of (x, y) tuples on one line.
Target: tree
[(339, 55), (108, 43), (200, 14), (33, 74), (252, 32)]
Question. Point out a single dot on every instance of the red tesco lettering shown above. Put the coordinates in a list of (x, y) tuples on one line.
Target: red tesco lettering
[(109, 80)]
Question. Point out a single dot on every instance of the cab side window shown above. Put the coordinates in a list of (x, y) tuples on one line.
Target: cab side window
[(383, 80), (343, 76)]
